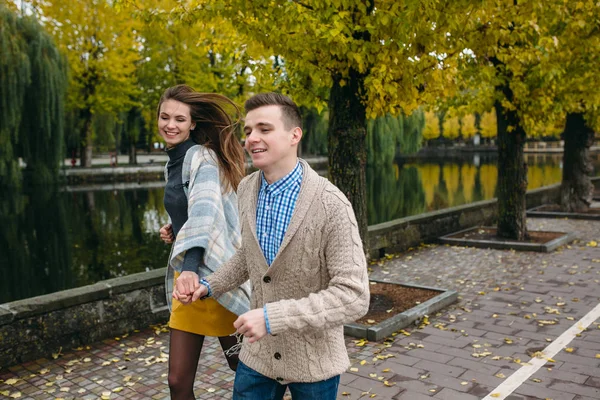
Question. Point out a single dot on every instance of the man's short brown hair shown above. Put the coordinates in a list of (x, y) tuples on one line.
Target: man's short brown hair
[(289, 110)]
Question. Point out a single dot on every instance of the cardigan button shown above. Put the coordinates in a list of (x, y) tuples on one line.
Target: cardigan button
[(279, 378), (277, 356), (267, 279)]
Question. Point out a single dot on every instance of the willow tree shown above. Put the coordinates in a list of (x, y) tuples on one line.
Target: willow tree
[(42, 127), (14, 79), (364, 53), (32, 89), (102, 50)]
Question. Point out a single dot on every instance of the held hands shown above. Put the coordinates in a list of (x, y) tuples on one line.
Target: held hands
[(166, 234), (185, 287), (252, 325)]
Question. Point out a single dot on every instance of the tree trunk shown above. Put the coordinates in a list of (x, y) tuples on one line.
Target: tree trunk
[(132, 153), (512, 174), (347, 138), (576, 190), (86, 144)]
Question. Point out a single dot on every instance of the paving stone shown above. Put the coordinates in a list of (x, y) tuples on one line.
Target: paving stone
[(538, 391), (445, 369), (410, 395), (449, 394), (570, 387)]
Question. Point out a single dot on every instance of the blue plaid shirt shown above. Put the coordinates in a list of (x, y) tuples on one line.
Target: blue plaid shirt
[(276, 203)]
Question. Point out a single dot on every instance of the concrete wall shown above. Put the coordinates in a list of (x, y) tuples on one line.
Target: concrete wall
[(39, 326)]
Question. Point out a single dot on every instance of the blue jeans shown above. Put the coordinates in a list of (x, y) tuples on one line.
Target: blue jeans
[(250, 385)]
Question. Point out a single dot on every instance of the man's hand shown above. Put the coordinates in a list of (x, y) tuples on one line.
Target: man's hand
[(200, 293), (252, 325), (166, 234)]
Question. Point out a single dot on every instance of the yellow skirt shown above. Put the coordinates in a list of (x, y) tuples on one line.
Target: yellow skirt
[(203, 317)]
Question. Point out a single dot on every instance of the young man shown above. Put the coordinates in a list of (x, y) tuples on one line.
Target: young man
[(302, 252)]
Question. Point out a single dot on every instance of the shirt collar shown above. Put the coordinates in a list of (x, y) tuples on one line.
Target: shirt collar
[(280, 186)]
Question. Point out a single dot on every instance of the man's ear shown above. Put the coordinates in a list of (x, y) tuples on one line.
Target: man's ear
[(296, 135)]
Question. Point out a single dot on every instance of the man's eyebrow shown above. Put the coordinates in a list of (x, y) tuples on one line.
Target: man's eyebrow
[(260, 124)]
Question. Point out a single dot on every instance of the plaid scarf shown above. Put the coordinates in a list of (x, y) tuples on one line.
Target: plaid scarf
[(212, 223)]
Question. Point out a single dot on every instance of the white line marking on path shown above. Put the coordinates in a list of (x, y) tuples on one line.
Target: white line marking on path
[(526, 371)]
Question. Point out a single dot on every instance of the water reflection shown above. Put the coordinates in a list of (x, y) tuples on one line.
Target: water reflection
[(58, 238), (53, 240), (418, 186)]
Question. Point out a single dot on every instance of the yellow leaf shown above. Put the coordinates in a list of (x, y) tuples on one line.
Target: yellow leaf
[(354, 369), (593, 243), (363, 362), (370, 321), (373, 375), (15, 395), (105, 396), (569, 349), (11, 381), (388, 370), (386, 383), (117, 389), (500, 375), (536, 380), (345, 394)]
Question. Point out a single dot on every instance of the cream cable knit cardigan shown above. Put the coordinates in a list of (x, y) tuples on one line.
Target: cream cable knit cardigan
[(317, 282)]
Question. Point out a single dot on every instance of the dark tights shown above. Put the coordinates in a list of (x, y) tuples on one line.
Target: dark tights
[(184, 353)]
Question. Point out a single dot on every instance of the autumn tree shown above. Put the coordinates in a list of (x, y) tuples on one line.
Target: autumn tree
[(467, 126), (102, 51), (451, 127), (488, 125), (370, 62), (432, 126), (570, 34), (505, 48)]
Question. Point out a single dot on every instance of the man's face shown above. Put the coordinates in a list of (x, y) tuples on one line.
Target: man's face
[(268, 141)]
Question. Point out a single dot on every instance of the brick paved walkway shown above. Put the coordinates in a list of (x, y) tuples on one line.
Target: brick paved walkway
[(512, 305)]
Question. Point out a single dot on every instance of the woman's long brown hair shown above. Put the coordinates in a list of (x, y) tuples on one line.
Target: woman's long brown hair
[(214, 129)]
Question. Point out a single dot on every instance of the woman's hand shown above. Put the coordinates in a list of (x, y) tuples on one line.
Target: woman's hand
[(185, 286), (166, 234)]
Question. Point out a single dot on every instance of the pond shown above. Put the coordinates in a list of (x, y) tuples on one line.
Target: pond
[(56, 238)]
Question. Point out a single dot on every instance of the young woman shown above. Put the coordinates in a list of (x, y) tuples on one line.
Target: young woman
[(206, 164)]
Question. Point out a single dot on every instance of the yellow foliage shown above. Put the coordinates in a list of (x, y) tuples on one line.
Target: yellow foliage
[(488, 124), (432, 126), (467, 126), (451, 128)]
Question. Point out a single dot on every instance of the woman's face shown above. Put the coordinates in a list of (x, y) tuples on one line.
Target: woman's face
[(174, 122)]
